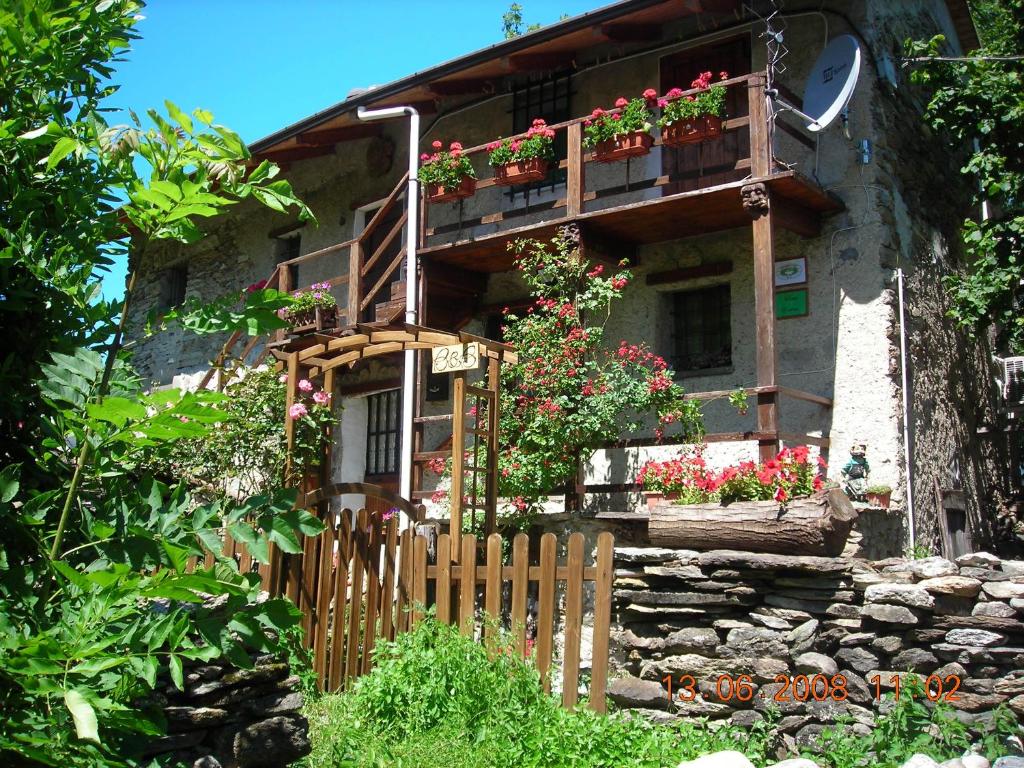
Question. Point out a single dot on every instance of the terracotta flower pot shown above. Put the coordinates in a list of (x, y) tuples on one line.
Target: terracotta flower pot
[(623, 146), (879, 499), (521, 172), (684, 132), (653, 498), (438, 194), (314, 319)]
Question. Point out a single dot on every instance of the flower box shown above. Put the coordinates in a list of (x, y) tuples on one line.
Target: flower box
[(623, 146), (684, 132), (438, 194), (879, 499), (314, 319), (812, 525), (521, 172), (653, 498)]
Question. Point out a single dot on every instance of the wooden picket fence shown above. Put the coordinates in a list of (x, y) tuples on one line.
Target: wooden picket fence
[(358, 585)]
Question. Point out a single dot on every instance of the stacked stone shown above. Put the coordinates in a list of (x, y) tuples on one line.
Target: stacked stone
[(706, 615), (233, 718)]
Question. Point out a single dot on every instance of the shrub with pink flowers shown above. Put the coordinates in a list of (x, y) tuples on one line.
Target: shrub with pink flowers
[(244, 455), (676, 107), (445, 168), (629, 115), (538, 144), (792, 474)]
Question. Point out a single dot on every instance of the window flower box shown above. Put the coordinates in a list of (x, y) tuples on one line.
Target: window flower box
[(691, 131), (313, 320), (521, 172), (441, 194), (447, 174), (623, 146), (523, 160)]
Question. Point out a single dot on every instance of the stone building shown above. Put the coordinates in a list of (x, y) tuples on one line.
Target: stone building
[(850, 208)]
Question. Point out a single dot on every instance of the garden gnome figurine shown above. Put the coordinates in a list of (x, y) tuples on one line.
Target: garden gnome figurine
[(855, 473)]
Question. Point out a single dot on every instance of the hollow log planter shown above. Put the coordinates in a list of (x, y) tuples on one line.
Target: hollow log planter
[(817, 525)]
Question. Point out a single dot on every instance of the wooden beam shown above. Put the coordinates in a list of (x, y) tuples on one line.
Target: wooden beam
[(424, 107), (624, 32), (291, 154), (332, 136), (576, 171), (466, 86), (795, 218), (528, 62), (713, 269)]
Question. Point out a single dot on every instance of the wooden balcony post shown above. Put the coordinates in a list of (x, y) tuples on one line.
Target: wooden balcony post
[(576, 176), (458, 459), (355, 280), (757, 202)]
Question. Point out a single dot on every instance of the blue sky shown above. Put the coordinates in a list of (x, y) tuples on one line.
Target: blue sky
[(260, 65)]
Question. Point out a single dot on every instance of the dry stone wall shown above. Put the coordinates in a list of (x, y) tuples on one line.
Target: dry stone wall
[(707, 618), (232, 718)]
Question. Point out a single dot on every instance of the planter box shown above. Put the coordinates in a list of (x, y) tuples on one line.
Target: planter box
[(521, 172), (653, 498), (315, 319), (623, 146), (684, 132), (438, 194), (816, 525), (880, 500)]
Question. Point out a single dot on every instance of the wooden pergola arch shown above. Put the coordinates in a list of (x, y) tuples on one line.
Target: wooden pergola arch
[(320, 355)]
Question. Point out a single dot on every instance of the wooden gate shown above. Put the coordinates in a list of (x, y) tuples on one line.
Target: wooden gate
[(363, 581)]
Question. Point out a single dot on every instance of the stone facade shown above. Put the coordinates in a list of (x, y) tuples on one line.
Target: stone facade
[(232, 718), (846, 348), (748, 632)]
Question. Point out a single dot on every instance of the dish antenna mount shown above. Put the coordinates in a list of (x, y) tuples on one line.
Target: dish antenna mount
[(829, 85)]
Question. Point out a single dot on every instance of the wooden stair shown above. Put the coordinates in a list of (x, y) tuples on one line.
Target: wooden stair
[(394, 308)]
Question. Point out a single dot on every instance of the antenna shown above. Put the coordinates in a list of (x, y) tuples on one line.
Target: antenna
[(829, 85)]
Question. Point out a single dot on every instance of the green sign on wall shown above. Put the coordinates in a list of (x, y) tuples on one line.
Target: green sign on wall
[(791, 303)]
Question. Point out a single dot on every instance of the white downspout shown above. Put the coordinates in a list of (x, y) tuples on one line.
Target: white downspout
[(906, 411), (412, 199)]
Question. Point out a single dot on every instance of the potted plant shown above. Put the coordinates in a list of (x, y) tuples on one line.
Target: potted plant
[(687, 119), (448, 175), (519, 161), (623, 132), (312, 310), (879, 495)]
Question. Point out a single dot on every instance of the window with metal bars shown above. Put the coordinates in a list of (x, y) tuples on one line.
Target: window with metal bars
[(173, 282), (289, 247), (383, 433), (548, 98), (703, 331)]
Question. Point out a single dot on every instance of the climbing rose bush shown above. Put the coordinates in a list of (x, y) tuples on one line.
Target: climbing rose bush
[(572, 391), (790, 475)]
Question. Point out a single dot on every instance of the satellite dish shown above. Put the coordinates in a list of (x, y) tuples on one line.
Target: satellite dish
[(831, 82)]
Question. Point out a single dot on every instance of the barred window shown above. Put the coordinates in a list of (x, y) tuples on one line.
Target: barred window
[(173, 283), (703, 332), (547, 98), (383, 433)]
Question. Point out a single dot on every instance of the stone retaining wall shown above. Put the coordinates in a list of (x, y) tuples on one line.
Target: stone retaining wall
[(771, 618), (232, 718)]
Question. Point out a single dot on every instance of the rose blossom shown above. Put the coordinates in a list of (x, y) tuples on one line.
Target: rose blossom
[(297, 411), (321, 398), (306, 385)]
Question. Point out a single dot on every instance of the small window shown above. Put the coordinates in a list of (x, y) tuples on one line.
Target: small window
[(289, 247), (383, 433), (173, 282), (703, 334), (546, 98)]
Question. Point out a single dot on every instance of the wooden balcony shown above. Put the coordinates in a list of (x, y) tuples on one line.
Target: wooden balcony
[(624, 211)]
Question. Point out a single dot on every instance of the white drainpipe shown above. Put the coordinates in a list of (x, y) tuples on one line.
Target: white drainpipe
[(412, 199), (906, 410)]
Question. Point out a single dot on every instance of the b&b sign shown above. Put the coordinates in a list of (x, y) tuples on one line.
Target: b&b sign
[(457, 357)]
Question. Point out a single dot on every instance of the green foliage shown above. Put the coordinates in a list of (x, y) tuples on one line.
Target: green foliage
[(629, 115), (512, 21), (569, 393), (244, 452), (436, 697), (983, 100), (446, 169), (908, 726)]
